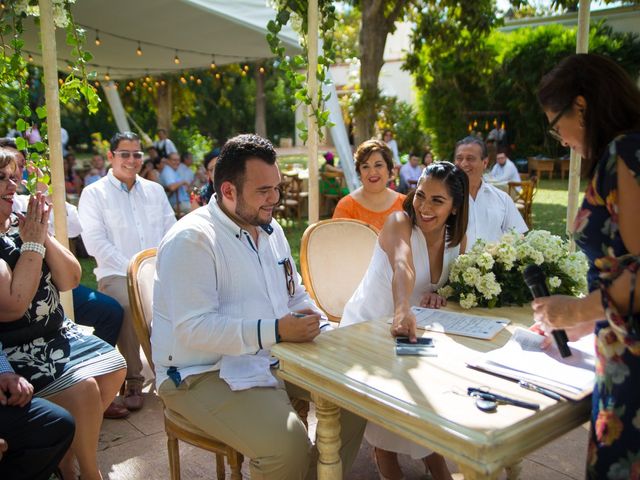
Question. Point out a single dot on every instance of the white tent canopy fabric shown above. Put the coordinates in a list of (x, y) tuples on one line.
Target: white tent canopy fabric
[(198, 32)]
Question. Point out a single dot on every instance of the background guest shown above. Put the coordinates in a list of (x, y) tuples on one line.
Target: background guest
[(373, 201)]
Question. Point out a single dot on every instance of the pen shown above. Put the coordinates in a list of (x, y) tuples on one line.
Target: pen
[(494, 397), (298, 315), (542, 390)]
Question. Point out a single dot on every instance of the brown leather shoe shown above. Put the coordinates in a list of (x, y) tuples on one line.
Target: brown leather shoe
[(133, 398), (115, 411)]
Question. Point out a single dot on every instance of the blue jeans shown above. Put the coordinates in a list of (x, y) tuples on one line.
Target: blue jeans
[(38, 435), (100, 311)]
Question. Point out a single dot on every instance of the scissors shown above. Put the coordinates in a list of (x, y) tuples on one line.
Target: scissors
[(488, 402)]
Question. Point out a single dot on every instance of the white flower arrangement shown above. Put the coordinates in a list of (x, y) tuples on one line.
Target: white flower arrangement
[(490, 275)]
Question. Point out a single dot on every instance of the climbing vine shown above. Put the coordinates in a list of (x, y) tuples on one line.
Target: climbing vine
[(295, 11), (14, 78)]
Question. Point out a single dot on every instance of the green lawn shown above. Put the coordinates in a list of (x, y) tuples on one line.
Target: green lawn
[(550, 206), (549, 213)]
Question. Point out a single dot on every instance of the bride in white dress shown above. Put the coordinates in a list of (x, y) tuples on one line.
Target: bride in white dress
[(410, 262)]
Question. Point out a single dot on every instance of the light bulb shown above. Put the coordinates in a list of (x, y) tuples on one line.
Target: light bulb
[(139, 50), (98, 42), (176, 59)]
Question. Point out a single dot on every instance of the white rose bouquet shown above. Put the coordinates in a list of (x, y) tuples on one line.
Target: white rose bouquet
[(490, 275)]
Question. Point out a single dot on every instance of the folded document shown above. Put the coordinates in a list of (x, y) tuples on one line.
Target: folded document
[(522, 359), (247, 371)]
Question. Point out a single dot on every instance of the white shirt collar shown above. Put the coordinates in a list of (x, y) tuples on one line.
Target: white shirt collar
[(118, 184)]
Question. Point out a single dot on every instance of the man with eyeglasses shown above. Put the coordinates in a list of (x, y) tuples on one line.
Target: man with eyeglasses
[(122, 214), (226, 290), (492, 212)]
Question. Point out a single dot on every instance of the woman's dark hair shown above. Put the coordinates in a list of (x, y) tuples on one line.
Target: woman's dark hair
[(612, 98), (365, 150), (233, 158), (215, 153), (457, 184)]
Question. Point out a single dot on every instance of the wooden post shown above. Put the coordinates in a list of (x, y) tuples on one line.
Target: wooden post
[(582, 46), (50, 67), (312, 122)]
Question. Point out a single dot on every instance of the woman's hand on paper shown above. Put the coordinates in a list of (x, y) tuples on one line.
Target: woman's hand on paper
[(432, 300), (404, 324), (574, 333)]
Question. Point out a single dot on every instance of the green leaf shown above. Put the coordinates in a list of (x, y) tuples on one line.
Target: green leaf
[(40, 146), (21, 125), (21, 143), (41, 112)]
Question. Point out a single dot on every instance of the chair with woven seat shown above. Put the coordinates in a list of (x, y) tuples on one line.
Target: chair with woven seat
[(140, 286), (523, 193), (334, 257)]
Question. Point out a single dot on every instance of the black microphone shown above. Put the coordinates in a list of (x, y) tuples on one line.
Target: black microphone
[(534, 278)]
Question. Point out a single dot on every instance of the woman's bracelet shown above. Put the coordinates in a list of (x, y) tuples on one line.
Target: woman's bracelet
[(33, 247)]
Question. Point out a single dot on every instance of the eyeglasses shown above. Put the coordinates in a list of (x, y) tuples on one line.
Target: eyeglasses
[(288, 275), (126, 154), (552, 125)]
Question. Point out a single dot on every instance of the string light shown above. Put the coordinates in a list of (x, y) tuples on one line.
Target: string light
[(246, 68), (213, 62), (243, 73), (130, 83), (145, 84), (148, 78), (198, 81), (127, 88), (163, 83), (60, 81), (98, 42), (183, 80), (96, 83), (176, 59), (30, 58), (192, 78), (217, 76), (139, 49), (261, 70), (107, 77), (150, 89)]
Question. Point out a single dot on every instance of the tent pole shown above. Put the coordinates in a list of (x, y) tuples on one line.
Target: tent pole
[(50, 67), (582, 46), (312, 123)]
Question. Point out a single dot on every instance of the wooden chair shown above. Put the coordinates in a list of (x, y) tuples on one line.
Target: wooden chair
[(293, 197), (140, 286), (334, 257), (332, 185), (565, 165), (523, 192)]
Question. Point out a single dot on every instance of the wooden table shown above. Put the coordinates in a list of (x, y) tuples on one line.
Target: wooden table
[(541, 165), (423, 398)]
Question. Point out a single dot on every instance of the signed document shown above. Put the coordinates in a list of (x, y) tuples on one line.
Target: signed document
[(523, 359), (456, 323)]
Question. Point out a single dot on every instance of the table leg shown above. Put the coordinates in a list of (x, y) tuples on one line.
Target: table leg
[(470, 474), (513, 471), (328, 439)]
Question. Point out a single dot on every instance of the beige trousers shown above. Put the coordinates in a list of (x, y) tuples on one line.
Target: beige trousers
[(116, 286), (260, 423)]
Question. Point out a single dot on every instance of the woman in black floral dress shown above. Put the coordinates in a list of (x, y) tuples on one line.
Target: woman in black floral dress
[(78, 372), (594, 108)]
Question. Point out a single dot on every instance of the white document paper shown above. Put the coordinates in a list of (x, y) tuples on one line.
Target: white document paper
[(522, 358), (458, 323)]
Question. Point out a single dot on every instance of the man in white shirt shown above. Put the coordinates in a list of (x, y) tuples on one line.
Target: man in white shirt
[(176, 182), (122, 214), (504, 171), (410, 173), (492, 212), (164, 145), (225, 289), (387, 137)]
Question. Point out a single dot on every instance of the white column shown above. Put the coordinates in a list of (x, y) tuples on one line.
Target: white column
[(312, 124), (582, 46), (50, 67)]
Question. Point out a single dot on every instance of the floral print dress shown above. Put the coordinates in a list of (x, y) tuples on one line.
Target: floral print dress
[(614, 445), (43, 346)]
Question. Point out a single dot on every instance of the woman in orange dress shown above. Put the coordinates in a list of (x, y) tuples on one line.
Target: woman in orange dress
[(373, 202)]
